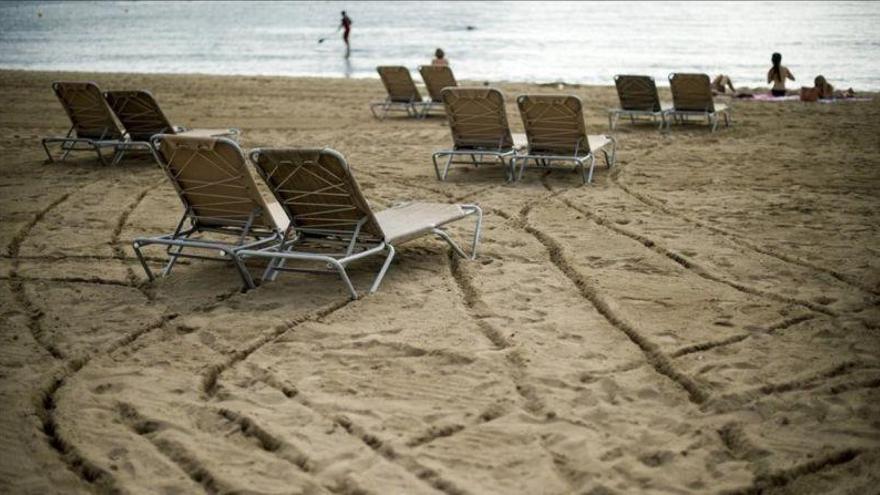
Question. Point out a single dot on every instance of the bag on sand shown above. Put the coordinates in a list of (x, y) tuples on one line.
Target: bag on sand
[(809, 94)]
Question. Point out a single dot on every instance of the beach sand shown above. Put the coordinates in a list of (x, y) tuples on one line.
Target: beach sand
[(703, 318)]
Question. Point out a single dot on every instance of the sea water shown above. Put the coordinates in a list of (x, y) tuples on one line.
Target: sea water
[(575, 42)]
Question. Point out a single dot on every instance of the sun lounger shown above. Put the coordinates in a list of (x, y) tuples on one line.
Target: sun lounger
[(436, 78), (555, 131), (142, 117), (478, 122), (692, 97), (93, 126), (403, 95), (220, 199), (331, 222), (638, 99)]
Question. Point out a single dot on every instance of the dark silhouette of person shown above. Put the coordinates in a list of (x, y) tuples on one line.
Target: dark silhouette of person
[(345, 25)]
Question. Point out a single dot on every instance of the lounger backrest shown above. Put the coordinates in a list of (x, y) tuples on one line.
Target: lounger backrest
[(436, 78), (477, 118), (316, 189), (399, 84), (554, 124), (637, 93), (213, 181), (139, 113), (87, 110), (691, 92)]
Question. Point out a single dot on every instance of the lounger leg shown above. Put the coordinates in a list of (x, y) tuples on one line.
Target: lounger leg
[(436, 167), (613, 153), (714, 121), (521, 168), (48, 154), (344, 276), (242, 270), (137, 251), (455, 247), (446, 168), (384, 269), (478, 228), (589, 176), (172, 260), (611, 121)]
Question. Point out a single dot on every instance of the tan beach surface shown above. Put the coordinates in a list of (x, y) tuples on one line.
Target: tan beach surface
[(703, 318)]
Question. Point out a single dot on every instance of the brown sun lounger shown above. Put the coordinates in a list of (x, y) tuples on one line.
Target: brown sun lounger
[(556, 132), (436, 78), (403, 95), (478, 122), (331, 222), (638, 100), (93, 126), (220, 199), (692, 97), (143, 118)]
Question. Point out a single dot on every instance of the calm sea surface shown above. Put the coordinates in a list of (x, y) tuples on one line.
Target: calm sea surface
[(582, 42)]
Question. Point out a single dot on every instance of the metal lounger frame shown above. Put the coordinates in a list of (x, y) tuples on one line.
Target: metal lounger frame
[(180, 239), (682, 116), (500, 154), (614, 115), (545, 160), (355, 248), (413, 108)]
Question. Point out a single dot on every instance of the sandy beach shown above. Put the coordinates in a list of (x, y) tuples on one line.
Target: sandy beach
[(703, 318)]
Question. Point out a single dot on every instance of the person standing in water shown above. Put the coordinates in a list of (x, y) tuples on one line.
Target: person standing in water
[(439, 58), (777, 75), (346, 26)]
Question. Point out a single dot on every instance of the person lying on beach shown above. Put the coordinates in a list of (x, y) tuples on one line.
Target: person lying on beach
[(777, 75), (722, 82), (825, 91), (439, 58)]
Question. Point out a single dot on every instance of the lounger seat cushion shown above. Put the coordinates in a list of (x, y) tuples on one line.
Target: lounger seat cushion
[(410, 220), (720, 107), (277, 213), (207, 133), (597, 141), (520, 141)]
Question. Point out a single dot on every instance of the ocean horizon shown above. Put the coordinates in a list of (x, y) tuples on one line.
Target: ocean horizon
[(574, 42)]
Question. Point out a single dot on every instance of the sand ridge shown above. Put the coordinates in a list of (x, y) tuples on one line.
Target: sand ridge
[(703, 318)]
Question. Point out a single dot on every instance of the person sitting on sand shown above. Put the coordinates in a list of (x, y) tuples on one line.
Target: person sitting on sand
[(439, 58), (721, 83), (825, 91), (777, 75)]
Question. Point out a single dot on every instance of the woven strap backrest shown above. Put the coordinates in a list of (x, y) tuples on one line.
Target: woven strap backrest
[(87, 110), (316, 189), (212, 179), (691, 92), (477, 118), (637, 93), (554, 124), (399, 84), (139, 113), (436, 78)]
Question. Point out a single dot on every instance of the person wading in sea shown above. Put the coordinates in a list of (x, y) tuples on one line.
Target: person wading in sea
[(346, 25)]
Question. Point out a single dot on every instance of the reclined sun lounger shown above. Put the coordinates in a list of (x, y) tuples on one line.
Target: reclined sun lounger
[(220, 199), (436, 78), (638, 99), (403, 95), (331, 222), (692, 97), (142, 117), (555, 130), (478, 122), (93, 126)]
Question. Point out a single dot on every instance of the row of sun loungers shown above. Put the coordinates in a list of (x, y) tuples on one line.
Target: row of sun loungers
[(691, 98), (403, 94), (319, 216), (639, 100), (121, 120), (554, 132)]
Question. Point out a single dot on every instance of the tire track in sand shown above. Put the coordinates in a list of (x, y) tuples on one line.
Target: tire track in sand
[(739, 239)]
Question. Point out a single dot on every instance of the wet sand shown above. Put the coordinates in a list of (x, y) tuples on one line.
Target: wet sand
[(703, 318)]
